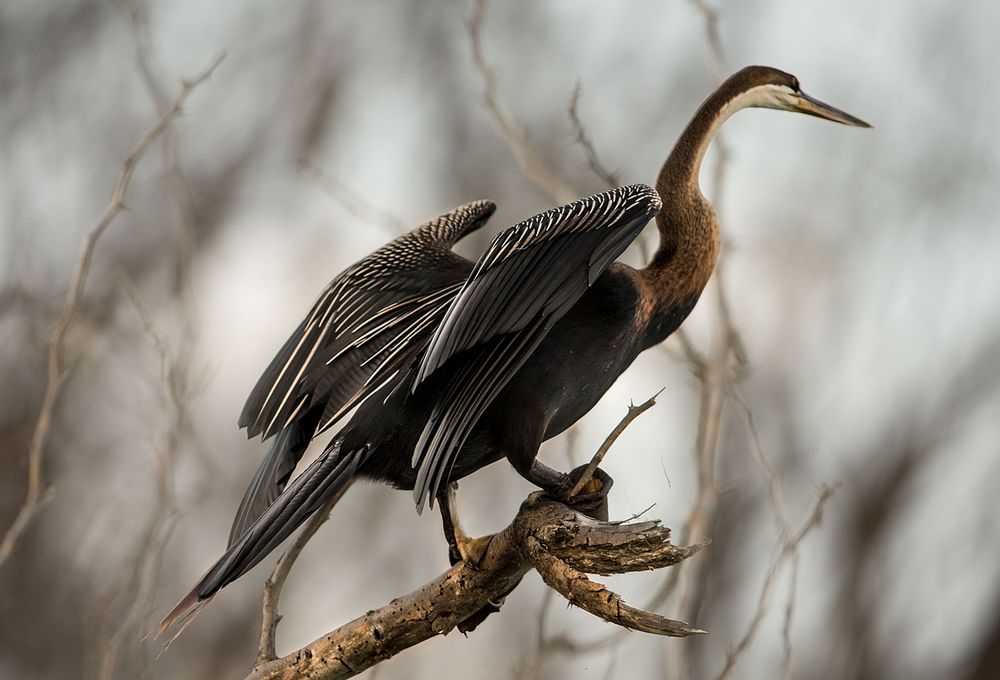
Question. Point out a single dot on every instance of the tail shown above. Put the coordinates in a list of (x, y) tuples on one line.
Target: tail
[(274, 471), (328, 476)]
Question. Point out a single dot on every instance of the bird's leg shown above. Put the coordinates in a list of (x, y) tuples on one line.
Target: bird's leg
[(462, 548), (544, 477), (456, 538)]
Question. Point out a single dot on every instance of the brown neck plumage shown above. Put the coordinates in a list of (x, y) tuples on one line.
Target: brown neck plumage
[(689, 229)]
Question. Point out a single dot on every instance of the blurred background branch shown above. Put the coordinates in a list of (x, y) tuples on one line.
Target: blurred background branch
[(527, 158), (37, 491)]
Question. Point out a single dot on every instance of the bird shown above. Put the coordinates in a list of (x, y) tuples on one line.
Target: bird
[(451, 365)]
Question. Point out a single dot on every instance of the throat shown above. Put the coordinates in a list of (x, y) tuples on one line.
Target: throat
[(681, 266)]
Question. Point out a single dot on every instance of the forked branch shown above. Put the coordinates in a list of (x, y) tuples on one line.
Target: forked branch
[(546, 535)]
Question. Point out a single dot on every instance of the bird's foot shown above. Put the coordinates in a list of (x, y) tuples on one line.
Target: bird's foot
[(467, 550), (592, 498), (457, 539), (473, 550)]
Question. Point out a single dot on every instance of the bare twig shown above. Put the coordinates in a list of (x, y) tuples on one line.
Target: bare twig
[(37, 492), (713, 44), (786, 548), (690, 353), (713, 389), (274, 584), (633, 413), (597, 599), (172, 174), (786, 628), (547, 645), (773, 482), (351, 201), (610, 177), (145, 574), (527, 158)]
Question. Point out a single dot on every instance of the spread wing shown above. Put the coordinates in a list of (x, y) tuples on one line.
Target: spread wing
[(371, 323), (364, 325), (530, 276)]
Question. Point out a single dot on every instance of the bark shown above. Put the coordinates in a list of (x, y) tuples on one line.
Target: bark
[(546, 535)]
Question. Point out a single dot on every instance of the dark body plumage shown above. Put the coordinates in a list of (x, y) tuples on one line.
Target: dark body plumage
[(547, 395), (453, 365)]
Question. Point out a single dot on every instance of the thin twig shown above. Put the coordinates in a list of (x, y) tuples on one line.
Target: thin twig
[(142, 584), (786, 628), (547, 645), (713, 390), (713, 44), (691, 354), (172, 174), (37, 492), (785, 549), (610, 177), (527, 158), (633, 413), (352, 201), (274, 584), (773, 482)]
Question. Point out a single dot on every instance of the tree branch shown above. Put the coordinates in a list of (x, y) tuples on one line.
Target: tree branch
[(274, 584), (37, 493), (546, 535), (597, 599)]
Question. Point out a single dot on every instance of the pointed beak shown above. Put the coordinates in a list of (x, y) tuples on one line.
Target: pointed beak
[(803, 103)]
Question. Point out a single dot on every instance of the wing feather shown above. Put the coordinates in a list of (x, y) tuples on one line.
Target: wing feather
[(370, 323), (376, 300), (529, 277)]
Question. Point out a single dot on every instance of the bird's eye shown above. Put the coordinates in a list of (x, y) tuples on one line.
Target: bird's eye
[(795, 84)]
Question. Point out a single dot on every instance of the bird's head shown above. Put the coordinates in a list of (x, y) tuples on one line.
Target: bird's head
[(769, 88)]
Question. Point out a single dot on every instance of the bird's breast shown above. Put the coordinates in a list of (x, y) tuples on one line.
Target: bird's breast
[(581, 357)]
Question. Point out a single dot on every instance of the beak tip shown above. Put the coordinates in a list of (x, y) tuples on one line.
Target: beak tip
[(814, 107)]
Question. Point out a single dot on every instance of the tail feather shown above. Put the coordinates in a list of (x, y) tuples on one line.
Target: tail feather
[(326, 477), (181, 615)]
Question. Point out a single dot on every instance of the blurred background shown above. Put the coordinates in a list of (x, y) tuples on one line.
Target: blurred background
[(860, 271)]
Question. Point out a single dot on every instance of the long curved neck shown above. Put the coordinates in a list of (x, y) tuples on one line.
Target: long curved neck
[(681, 170), (689, 230)]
